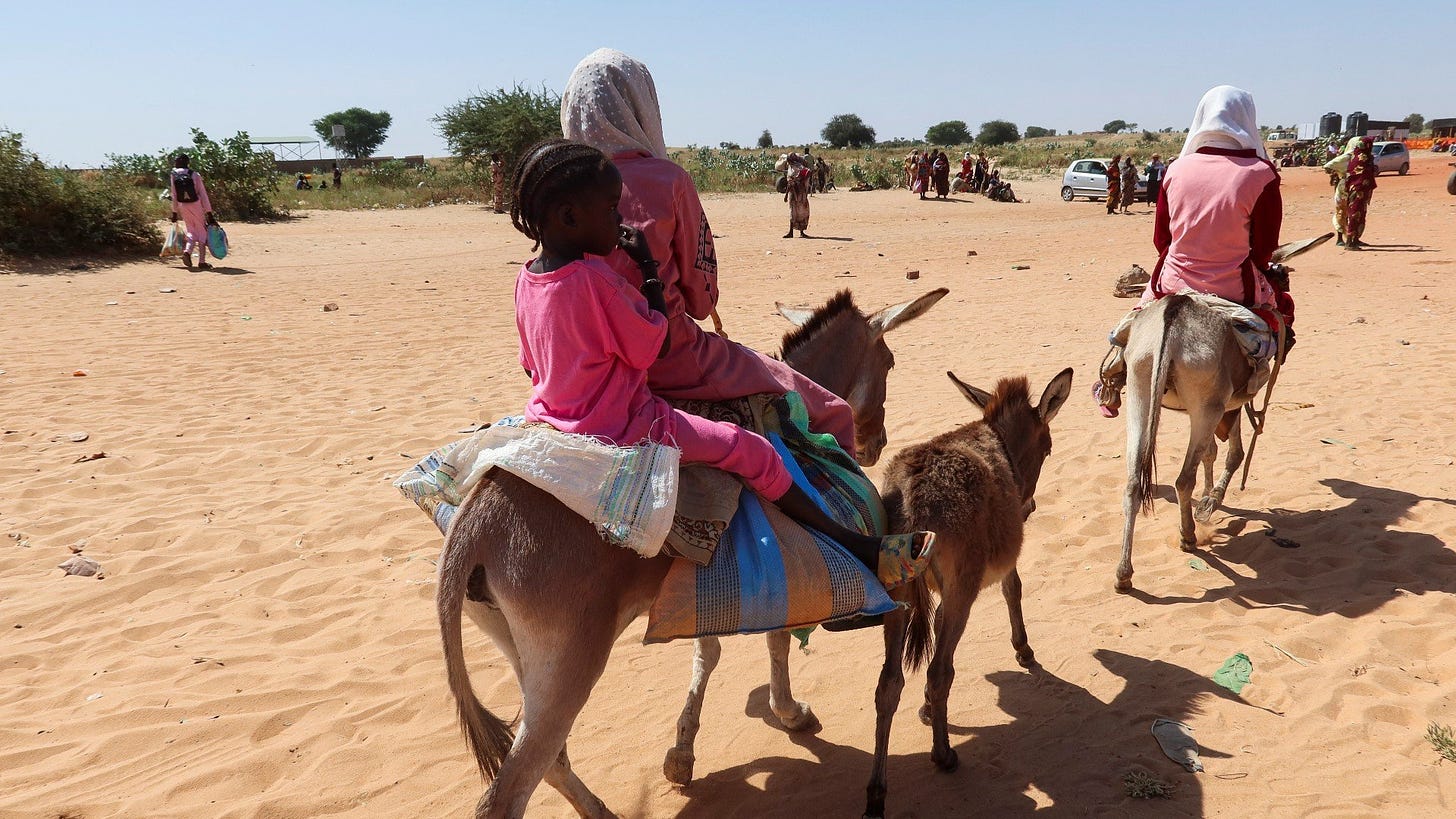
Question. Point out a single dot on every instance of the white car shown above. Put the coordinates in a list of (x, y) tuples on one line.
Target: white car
[(1088, 177), (1391, 156)]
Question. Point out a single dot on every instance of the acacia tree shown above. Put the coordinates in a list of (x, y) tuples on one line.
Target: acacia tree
[(950, 132), (1117, 126), (1034, 131), (847, 131), (1417, 123), (998, 132), (363, 131), (507, 120), (765, 139)]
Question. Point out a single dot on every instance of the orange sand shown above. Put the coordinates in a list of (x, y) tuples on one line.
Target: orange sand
[(263, 643)]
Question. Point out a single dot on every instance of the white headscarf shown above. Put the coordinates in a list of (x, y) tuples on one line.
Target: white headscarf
[(1225, 119), (611, 104)]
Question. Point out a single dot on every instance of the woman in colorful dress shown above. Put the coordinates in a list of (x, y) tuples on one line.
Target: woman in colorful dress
[(1129, 182), (1355, 169), (940, 169), (1114, 184)]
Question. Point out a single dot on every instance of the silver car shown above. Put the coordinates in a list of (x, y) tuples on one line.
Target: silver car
[(1088, 177), (1391, 156)]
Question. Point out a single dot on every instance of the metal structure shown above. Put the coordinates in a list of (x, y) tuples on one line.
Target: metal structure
[(290, 148)]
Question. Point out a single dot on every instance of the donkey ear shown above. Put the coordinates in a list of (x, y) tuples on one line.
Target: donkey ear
[(978, 397), (1055, 395), (891, 317), (796, 315), (1288, 251)]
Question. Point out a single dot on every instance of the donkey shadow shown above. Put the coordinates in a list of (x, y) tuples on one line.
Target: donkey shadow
[(1062, 742), (1347, 561)]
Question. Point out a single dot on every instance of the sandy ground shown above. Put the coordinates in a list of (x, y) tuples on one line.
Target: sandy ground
[(263, 643)]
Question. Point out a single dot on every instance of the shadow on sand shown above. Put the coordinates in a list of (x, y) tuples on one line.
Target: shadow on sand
[(1062, 742), (1353, 548)]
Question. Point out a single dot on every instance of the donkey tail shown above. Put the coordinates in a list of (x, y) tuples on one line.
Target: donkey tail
[(489, 736), (1147, 467), (919, 637)]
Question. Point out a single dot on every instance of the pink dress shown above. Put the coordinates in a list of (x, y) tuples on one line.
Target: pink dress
[(194, 215), (659, 198), (587, 339)]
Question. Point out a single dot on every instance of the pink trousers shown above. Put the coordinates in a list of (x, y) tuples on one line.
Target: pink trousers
[(731, 448), (194, 217), (703, 365)]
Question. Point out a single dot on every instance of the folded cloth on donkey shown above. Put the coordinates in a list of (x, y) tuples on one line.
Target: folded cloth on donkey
[(770, 573), (1255, 337), (628, 494)]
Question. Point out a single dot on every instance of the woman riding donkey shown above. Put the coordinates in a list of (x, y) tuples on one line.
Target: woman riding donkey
[(1217, 226)]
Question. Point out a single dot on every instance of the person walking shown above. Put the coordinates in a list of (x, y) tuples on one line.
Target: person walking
[(1129, 182), (800, 180), (191, 202), (1114, 184), (940, 169), (1355, 173)]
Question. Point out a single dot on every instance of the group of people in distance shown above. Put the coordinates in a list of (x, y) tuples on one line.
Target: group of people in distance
[(930, 170)]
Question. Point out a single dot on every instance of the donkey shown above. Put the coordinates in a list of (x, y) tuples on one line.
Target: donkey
[(973, 487), (554, 596), (1184, 355)]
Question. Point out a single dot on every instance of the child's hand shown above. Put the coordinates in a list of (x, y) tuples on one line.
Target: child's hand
[(632, 241)]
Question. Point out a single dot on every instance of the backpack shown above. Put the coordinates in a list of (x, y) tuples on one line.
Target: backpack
[(182, 183)]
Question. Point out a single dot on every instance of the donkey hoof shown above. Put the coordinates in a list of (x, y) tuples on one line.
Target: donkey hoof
[(925, 714), (1204, 511), (1026, 658), (800, 720), (678, 766), (1123, 585), (946, 762), (1188, 544)]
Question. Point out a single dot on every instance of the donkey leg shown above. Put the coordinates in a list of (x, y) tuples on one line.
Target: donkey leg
[(561, 777), (1135, 407), (1201, 422), (1011, 590), (887, 699), (678, 766), (795, 716), (1213, 492), (559, 668), (955, 611), (1232, 462)]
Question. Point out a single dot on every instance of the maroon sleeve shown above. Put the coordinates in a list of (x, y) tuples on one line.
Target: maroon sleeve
[(1264, 224), (1162, 233)]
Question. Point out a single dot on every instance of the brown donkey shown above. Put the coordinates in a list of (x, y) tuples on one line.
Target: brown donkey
[(553, 596), (973, 487)]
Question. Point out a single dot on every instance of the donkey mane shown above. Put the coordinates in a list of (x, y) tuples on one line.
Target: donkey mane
[(842, 302), (1010, 394)]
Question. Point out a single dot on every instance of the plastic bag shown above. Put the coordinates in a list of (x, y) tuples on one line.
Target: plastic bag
[(175, 243), (217, 241)]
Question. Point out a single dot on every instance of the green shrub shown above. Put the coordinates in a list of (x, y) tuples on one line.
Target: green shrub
[(52, 211), (240, 180), (507, 120)]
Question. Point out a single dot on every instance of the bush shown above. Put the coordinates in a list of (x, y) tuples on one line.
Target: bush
[(950, 132), (364, 131), (848, 131), (240, 181), (505, 120), (53, 211), (1033, 131), (998, 132)]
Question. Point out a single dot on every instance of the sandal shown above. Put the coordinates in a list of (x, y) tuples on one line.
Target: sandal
[(904, 557), (1110, 403)]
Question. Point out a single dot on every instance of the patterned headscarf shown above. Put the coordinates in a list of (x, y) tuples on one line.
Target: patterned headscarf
[(1225, 118), (1359, 150), (611, 104)]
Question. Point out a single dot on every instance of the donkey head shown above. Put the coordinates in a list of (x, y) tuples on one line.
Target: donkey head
[(1024, 429), (844, 351)]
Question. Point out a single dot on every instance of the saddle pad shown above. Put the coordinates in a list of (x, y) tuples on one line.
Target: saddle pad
[(770, 573)]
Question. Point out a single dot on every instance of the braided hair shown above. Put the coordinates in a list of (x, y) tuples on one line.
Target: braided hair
[(547, 172)]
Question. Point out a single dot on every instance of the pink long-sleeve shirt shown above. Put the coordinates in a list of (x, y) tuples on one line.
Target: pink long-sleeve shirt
[(676, 230), (1217, 226)]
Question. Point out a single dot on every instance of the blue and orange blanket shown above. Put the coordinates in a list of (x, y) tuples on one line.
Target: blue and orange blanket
[(761, 571)]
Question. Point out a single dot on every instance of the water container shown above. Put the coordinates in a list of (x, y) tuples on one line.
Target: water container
[(1357, 123), (1329, 124)]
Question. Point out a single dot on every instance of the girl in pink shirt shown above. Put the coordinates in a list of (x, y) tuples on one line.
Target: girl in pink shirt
[(611, 104), (1217, 224), (190, 200), (588, 338)]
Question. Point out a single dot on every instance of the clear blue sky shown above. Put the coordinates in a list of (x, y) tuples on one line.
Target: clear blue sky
[(84, 78)]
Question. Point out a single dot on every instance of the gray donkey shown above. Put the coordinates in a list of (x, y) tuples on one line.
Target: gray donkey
[(973, 487), (1186, 355)]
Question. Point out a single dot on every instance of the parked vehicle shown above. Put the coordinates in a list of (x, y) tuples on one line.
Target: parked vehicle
[(1391, 156), (1088, 177)]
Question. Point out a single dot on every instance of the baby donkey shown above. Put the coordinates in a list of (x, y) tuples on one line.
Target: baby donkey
[(973, 487)]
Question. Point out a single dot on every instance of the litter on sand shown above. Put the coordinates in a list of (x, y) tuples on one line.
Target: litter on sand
[(1178, 744), (1234, 673)]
